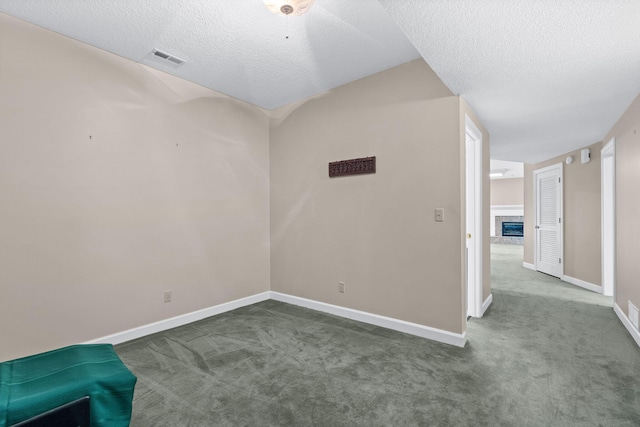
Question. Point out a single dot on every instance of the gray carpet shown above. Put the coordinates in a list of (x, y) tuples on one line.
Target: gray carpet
[(545, 354)]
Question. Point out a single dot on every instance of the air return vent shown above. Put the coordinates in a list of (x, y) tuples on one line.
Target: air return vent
[(158, 54)]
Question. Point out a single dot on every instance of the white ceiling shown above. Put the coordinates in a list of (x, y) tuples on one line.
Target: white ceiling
[(546, 77), (507, 169)]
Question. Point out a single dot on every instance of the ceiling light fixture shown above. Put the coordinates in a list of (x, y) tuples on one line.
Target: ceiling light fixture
[(288, 7)]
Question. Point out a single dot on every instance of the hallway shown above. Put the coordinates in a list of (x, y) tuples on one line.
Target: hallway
[(559, 346)]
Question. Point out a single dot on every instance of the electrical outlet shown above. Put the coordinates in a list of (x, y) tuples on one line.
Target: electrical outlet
[(167, 296), (341, 287)]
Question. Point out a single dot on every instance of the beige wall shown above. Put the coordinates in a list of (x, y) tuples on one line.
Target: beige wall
[(627, 134), (119, 182), (374, 232), (507, 192), (582, 236)]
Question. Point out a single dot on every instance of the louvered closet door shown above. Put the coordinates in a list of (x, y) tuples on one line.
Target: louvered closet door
[(548, 221)]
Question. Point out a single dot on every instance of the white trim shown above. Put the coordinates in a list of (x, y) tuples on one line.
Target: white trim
[(635, 334), (548, 168), (374, 319), (473, 136), (361, 316), (181, 320), (582, 284), (486, 304), (560, 170), (508, 208), (529, 266)]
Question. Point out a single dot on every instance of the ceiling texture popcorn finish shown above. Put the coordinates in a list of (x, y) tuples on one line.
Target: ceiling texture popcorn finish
[(545, 77), (236, 47)]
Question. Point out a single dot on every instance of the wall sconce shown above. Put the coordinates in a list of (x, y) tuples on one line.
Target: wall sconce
[(569, 160)]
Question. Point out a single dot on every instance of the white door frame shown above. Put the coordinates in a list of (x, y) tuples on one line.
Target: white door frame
[(473, 221), (560, 213), (608, 203)]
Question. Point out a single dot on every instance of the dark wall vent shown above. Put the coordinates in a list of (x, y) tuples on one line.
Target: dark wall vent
[(164, 55)]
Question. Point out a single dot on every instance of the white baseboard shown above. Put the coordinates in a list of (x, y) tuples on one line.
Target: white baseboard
[(374, 319), (183, 319), (586, 285), (361, 316), (635, 334), (486, 304)]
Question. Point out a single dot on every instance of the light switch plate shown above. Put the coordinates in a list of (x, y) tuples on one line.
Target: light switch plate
[(439, 215)]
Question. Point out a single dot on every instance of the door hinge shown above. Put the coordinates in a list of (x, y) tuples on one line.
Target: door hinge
[(559, 220), (558, 180), (559, 260)]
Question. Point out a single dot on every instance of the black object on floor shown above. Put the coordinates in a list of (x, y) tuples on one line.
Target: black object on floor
[(73, 414)]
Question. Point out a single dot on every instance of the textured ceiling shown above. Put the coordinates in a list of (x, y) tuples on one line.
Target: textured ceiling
[(235, 47), (546, 76)]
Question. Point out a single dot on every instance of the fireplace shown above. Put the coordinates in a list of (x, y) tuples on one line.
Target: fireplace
[(512, 229), (509, 230)]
